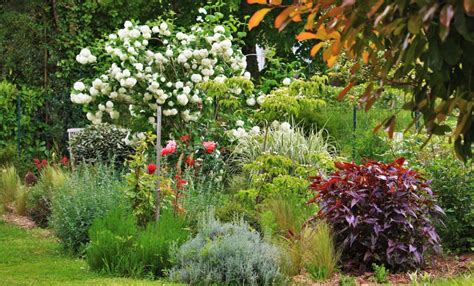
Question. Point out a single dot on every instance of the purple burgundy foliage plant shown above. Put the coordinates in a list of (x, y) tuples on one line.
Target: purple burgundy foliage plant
[(381, 213)]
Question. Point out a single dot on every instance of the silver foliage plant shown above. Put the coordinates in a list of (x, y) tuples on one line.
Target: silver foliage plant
[(229, 253)]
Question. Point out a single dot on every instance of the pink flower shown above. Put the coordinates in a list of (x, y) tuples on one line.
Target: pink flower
[(210, 146), (170, 148)]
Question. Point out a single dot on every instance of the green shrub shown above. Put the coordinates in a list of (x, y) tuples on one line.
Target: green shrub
[(9, 187), (39, 197), (86, 195), (100, 143), (452, 183), (366, 143), (197, 201), (154, 244), (31, 102), (111, 239), (369, 145), (226, 253), (232, 209), (7, 154), (276, 176), (118, 246), (453, 186)]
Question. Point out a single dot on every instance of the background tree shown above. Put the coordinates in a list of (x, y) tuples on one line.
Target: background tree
[(423, 45)]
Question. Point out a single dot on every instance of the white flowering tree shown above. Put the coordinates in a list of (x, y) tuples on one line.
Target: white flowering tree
[(152, 66), (145, 71)]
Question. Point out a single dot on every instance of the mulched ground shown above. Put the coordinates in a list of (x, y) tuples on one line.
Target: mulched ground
[(21, 221), (439, 268)]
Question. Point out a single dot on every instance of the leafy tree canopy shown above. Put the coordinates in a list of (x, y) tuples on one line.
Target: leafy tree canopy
[(425, 45)]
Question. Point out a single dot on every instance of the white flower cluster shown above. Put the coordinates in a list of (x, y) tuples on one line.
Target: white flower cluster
[(144, 76), (286, 81), (240, 132), (85, 57)]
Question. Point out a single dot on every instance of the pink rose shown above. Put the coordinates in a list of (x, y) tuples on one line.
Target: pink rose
[(210, 146), (170, 148)]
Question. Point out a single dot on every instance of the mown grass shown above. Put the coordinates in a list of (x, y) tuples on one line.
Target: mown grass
[(463, 280), (35, 258)]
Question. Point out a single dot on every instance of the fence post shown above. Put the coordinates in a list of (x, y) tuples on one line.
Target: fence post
[(18, 122)]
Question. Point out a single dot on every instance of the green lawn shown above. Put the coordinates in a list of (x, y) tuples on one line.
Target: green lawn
[(465, 280), (31, 258)]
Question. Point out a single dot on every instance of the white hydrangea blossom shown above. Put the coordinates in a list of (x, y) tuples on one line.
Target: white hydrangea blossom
[(285, 126), (240, 133), (143, 76), (287, 81), (251, 101), (85, 57)]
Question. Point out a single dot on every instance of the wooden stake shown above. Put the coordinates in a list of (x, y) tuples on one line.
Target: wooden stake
[(158, 162)]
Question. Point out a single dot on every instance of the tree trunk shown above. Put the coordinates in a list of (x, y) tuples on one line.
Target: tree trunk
[(55, 14)]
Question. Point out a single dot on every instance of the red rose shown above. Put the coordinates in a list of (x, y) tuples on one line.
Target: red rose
[(151, 168), (180, 182), (185, 138), (210, 146), (64, 161), (44, 162), (37, 163), (190, 161)]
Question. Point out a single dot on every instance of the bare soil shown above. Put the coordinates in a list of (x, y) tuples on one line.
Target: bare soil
[(439, 267)]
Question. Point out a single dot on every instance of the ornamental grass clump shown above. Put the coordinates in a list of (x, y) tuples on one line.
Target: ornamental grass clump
[(381, 213), (39, 198), (10, 187)]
